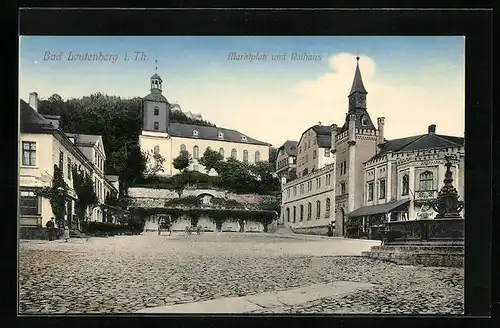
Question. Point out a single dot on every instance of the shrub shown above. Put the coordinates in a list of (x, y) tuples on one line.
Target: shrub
[(93, 227)]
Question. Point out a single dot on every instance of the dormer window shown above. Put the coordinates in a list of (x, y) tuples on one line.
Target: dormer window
[(243, 138), (364, 121), (195, 133), (220, 135)]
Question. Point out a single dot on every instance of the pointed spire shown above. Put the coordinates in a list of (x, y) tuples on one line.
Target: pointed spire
[(357, 83)]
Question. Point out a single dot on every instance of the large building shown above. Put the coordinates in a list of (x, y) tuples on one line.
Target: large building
[(169, 138), (370, 176), (43, 145)]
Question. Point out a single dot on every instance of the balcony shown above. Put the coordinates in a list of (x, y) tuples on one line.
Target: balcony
[(425, 195)]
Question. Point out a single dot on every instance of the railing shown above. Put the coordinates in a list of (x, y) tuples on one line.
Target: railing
[(425, 194), (428, 230)]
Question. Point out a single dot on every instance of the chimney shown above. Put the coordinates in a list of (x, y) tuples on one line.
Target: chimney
[(380, 128), (33, 101), (334, 130), (432, 129)]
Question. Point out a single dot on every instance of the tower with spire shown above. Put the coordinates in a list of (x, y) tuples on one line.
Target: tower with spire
[(155, 107), (353, 143)]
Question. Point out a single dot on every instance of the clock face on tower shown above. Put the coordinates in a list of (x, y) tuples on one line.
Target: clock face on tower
[(360, 98)]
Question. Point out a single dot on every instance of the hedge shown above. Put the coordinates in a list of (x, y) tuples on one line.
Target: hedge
[(105, 227)]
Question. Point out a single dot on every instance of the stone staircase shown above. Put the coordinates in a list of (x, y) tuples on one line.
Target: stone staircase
[(441, 254)]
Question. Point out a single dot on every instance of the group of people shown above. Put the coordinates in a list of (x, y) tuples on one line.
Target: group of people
[(52, 232)]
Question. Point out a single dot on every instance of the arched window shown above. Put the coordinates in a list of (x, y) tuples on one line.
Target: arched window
[(301, 213), (183, 147), (234, 153), (257, 156), (287, 215), (327, 208), (318, 209), (427, 181), (309, 211), (156, 111), (406, 185), (245, 156), (157, 150), (294, 214), (221, 151), (196, 152)]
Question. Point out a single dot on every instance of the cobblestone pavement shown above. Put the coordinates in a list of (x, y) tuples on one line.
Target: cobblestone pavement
[(127, 273)]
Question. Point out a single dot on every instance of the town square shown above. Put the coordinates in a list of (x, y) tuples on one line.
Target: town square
[(208, 178)]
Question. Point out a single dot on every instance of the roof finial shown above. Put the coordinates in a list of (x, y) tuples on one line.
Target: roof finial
[(357, 58), (156, 65)]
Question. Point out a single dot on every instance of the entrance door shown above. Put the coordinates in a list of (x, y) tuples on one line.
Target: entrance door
[(343, 220)]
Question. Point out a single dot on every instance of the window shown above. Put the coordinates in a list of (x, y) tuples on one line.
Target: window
[(301, 218), (318, 183), (426, 181), (318, 209), (234, 153), (294, 214), (406, 185), (327, 208), (183, 147), (342, 188), (156, 111), (221, 151), (156, 125), (29, 153), (309, 211), (195, 133), (157, 149), (295, 190), (343, 167), (243, 138), (69, 168), (327, 152), (245, 156), (364, 120), (28, 203), (382, 189), (314, 154), (196, 152), (257, 156), (220, 135), (301, 189), (287, 215), (288, 193), (328, 179), (370, 191), (61, 161)]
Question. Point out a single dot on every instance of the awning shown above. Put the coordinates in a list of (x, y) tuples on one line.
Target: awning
[(377, 209)]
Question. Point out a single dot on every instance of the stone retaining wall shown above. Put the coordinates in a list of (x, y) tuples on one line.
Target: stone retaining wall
[(320, 230)]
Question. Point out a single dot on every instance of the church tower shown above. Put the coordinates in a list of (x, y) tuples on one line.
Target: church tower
[(353, 144), (155, 108)]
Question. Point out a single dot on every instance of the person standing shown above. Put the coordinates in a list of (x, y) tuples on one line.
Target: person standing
[(50, 229), (66, 234)]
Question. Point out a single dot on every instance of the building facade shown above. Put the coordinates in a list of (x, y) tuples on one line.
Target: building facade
[(168, 138), (286, 160), (313, 150), (404, 178), (308, 202), (43, 145)]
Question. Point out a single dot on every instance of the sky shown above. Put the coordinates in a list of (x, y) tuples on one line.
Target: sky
[(412, 81)]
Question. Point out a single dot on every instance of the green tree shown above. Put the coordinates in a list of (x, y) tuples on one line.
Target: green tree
[(210, 159), (182, 161), (57, 195), (268, 181), (154, 164), (84, 189), (236, 176)]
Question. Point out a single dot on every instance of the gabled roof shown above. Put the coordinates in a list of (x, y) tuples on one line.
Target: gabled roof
[(290, 147), (419, 142), (31, 120), (323, 135), (183, 130), (84, 139)]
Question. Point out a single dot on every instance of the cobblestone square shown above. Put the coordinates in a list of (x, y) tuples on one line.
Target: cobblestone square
[(125, 274)]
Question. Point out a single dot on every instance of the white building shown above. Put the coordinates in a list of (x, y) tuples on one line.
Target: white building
[(286, 160), (41, 146), (168, 138), (313, 150)]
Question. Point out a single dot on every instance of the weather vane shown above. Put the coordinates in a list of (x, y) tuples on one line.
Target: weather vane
[(156, 65)]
